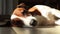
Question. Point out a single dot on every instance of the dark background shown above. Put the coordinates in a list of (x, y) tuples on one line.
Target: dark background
[(51, 3), (7, 6)]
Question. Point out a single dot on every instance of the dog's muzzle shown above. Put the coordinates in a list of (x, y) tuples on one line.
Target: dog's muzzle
[(33, 23)]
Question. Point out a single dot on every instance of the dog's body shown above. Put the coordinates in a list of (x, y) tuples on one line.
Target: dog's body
[(47, 14), (36, 18)]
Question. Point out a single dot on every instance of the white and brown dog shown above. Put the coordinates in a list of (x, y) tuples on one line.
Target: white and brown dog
[(38, 15), (48, 13), (21, 17)]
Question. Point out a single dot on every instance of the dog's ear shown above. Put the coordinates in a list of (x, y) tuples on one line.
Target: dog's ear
[(36, 12), (25, 12)]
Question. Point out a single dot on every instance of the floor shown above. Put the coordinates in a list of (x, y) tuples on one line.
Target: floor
[(41, 30), (17, 30), (7, 30)]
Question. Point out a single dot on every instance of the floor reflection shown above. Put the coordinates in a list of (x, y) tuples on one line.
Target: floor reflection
[(7, 30), (40, 30), (47, 30)]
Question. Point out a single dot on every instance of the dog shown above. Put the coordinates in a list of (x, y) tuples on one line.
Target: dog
[(46, 14), (22, 18), (32, 19)]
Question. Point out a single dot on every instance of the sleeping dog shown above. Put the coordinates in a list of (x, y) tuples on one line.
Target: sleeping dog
[(34, 18), (21, 17), (24, 19), (30, 19), (48, 14)]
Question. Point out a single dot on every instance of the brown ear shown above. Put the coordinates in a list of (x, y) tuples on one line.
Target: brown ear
[(32, 9), (36, 12), (18, 12)]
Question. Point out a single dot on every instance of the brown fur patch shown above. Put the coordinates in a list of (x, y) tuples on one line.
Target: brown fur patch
[(17, 22)]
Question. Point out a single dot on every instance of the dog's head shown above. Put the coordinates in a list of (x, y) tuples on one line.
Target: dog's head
[(26, 21), (30, 19)]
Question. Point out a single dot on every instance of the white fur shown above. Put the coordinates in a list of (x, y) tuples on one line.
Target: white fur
[(57, 22), (26, 20), (45, 10)]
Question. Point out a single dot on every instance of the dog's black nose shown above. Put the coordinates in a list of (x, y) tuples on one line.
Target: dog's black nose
[(33, 22)]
